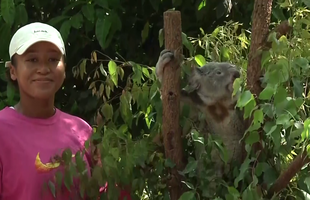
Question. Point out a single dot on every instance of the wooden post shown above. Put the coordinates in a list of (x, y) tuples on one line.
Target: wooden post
[(171, 101)]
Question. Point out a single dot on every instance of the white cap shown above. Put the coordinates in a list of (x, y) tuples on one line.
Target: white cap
[(33, 33)]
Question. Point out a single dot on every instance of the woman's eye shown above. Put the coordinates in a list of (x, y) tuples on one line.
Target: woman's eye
[(32, 60), (54, 59)]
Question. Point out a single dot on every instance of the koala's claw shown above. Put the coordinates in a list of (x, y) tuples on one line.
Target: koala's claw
[(165, 57), (164, 51)]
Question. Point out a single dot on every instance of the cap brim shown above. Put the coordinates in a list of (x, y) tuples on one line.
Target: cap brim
[(24, 48)]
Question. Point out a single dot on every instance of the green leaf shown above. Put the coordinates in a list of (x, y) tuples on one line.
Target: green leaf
[(236, 86), (189, 185), (8, 11), (260, 168), (196, 138), (103, 26), (298, 87), (187, 44), (97, 174), (191, 166), (306, 2), (68, 179), (269, 127), (88, 11), (202, 4), (307, 182), (56, 20), (245, 98), (59, 179), (125, 108), (137, 75), (267, 92), (215, 32), (234, 192), (300, 62), (280, 95), (22, 17), (145, 72), (102, 70), (145, 31), (67, 156), (276, 137), (110, 161), (258, 116), (169, 163), (270, 175), (102, 3), (113, 72), (249, 107), (51, 185), (305, 132), (108, 91), (223, 151), (121, 72), (225, 54), (283, 119), (201, 61), (107, 111), (115, 152), (243, 169), (80, 164), (252, 138), (77, 21), (187, 195), (250, 193), (65, 30)]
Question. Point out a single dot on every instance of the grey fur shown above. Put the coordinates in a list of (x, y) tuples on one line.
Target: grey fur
[(207, 87)]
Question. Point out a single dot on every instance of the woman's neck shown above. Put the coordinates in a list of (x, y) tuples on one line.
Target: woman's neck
[(36, 108)]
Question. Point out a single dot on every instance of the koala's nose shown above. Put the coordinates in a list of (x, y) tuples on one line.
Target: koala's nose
[(236, 74)]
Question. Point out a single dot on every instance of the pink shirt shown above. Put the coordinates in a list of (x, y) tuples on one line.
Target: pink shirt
[(22, 138)]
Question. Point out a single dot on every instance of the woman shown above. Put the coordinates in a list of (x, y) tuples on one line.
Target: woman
[(33, 131)]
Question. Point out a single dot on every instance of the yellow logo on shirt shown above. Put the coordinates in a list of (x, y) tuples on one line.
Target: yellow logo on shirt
[(41, 167)]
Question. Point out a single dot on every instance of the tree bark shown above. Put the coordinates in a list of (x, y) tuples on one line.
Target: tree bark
[(171, 101), (260, 30)]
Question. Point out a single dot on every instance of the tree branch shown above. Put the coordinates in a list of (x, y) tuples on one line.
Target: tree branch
[(289, 173)]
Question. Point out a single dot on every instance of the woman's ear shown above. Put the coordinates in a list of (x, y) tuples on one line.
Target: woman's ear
[(12, 70)]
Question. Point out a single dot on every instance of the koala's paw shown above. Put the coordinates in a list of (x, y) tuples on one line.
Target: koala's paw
[(165, 57)]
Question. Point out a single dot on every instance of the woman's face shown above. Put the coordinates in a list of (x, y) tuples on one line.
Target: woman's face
[(40, 71)]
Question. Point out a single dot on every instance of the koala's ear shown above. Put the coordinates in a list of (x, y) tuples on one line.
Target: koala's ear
[(194, 79)]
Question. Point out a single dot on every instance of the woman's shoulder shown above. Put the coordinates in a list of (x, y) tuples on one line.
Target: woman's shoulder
[(74, 121), (6, 114)]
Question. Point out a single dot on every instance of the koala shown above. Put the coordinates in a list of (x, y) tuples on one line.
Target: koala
[(209, 91)]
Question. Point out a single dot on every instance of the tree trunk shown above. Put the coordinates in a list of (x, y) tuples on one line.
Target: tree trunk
[(260, 30), (171, 102)]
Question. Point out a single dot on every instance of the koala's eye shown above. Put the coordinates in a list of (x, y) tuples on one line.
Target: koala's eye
[(218, 73)]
